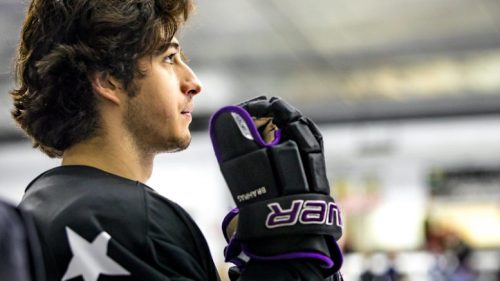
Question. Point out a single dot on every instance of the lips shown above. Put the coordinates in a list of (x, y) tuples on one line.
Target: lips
[(188, 110)]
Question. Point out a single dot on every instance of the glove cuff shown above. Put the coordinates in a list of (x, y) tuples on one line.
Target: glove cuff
[(326, 261), (327, 253), (302, 226)]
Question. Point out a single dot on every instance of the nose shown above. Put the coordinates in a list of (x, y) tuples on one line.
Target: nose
[(190, 85)]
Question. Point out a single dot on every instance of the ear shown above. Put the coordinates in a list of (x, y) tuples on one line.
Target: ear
[(106, 87)]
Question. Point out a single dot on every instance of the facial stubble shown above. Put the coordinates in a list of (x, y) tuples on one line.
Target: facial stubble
[(148, 131)]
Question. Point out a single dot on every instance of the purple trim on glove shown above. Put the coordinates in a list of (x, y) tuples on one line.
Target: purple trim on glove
[(250, 123), (227, 219), (277, 137), (232, 250), (234, 254), (337, 257), (327, 262)]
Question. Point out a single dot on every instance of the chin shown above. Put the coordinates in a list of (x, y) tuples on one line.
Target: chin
[(178, 144)]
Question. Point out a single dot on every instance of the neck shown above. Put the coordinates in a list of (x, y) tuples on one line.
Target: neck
[(118, 156)]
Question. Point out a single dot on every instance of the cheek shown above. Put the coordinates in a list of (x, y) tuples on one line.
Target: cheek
[(158, 100), (160, 96), (167, 100)]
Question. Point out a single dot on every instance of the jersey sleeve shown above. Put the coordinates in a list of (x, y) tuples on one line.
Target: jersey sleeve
[(178, 248)]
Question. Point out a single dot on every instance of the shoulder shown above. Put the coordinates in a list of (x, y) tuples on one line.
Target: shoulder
[(158, 205), (85, 204), (174, 237), (68, 187), (83, 197), (166, 218)]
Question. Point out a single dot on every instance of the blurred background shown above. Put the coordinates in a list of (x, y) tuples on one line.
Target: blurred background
[(406, 93)]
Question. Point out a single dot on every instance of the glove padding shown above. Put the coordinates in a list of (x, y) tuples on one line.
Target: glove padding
[(279, 186), (301, 130)]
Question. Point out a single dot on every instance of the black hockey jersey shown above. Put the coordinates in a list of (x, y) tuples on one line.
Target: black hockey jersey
[(99, 226), (96, 226)]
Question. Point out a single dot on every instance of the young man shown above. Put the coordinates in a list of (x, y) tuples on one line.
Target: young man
[(103, 85)]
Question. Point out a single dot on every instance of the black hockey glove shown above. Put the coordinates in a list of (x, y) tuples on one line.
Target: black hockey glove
[(284, 208)]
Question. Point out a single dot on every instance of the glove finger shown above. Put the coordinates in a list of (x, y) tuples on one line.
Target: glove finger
[(257, 107), (309, 141), (315, 168), (231, 133), (256, 99), (310, 144), (300, 132), (315, 131), (283, 112)]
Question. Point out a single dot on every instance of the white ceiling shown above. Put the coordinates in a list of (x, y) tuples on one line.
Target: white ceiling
[(310, 52)]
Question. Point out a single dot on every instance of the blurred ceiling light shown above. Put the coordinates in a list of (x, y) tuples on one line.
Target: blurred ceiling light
[(468, 74)]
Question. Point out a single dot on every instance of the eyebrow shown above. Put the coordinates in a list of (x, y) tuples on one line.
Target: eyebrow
[(172, 45), (164, 47)]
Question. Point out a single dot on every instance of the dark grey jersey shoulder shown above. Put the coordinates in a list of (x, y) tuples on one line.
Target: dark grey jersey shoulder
[(98, 226)]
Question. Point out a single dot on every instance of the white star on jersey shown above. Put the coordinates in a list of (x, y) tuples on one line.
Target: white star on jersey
[(90, 259)]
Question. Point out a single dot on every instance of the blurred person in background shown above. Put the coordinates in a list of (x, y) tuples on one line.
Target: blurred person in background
[(104, 86), (451, 255), (381, 267)]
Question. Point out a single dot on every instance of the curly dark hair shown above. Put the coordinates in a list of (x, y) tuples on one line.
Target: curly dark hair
[(63, 41)]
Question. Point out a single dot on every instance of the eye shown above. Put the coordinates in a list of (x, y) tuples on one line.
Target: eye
[(170, 58)]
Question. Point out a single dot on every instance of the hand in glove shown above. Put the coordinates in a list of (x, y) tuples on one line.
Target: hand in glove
[(272, 159)]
